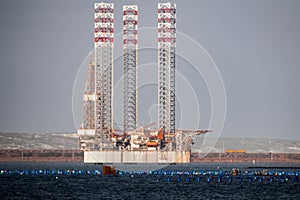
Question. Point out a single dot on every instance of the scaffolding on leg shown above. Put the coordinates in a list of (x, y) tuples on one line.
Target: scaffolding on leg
[(104, 43), (130, 47), (166, 70)]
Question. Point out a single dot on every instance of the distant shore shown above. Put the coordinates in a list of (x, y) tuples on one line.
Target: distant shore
[(246, 157), (59, 155), (40, 155)]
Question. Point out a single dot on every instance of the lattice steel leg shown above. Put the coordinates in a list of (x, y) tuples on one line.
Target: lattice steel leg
[(130, 45), (166, 69)]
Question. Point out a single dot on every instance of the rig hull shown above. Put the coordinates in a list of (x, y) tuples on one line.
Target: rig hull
[(137, 157)]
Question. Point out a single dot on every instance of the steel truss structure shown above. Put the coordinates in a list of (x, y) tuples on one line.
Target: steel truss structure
[(86, 131), (130, 61), (103, 44), (184, 138), (88, 122), (166, 68)]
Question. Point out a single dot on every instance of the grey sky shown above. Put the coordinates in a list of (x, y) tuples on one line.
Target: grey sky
[(255, 44)]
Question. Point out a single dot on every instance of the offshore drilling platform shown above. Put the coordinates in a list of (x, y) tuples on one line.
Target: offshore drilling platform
[(97, 137)]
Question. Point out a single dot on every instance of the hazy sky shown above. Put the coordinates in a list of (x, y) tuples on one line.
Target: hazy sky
[(255, 44)]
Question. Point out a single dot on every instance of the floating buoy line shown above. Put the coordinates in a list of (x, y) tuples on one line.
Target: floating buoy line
[(173, 176)]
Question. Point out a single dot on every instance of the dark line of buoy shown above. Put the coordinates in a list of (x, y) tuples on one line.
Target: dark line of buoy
[(174, 176)]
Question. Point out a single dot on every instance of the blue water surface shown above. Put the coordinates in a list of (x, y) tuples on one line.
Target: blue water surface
[(33, 180)]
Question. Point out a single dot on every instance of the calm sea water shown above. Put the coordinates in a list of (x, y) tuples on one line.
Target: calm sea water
[(139, 186)]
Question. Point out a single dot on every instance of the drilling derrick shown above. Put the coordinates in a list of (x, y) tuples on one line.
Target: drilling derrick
[(166, 69), (86, 131), (103, 41), (130, 45), (89, 98)]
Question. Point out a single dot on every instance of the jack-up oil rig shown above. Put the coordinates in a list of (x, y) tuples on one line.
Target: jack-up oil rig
[(97, 137)]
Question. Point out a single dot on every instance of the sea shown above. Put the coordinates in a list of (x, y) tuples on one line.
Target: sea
[(46, 180)]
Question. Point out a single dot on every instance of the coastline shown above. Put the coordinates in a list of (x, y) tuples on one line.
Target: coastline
[(71, 155)]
